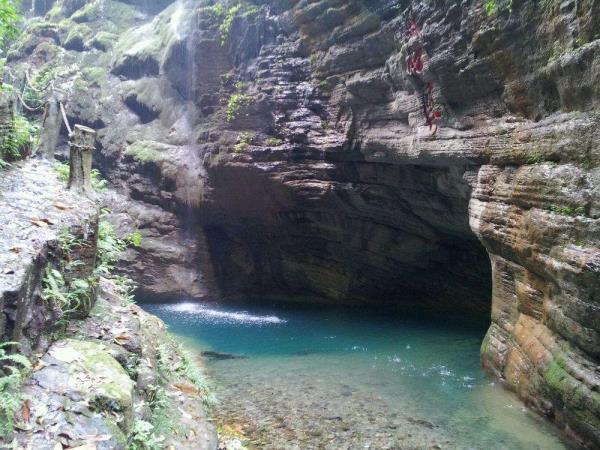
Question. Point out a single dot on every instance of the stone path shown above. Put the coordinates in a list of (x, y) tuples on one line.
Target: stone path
[(34, 207)]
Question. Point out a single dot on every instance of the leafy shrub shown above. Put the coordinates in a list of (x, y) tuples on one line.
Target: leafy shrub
[(125, 288), (495, 6), (76, 295), (215, 12), (9, 19), (192, 372), (19, 140), (229, 17), (567, 210), (14, 369), (244, 140), (236, 104), (535, 158), (187, 369)]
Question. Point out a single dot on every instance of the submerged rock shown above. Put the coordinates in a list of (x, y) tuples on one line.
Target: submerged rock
[(220, 355)]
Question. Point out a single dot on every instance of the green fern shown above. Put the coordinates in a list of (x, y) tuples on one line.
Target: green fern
[(69, 297), (14, 370), (20, 138)]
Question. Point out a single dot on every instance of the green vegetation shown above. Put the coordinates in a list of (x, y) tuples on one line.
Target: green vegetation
[(274, 141), (226, 78), (567, 210), (188, 369), (14, 369), (125, 285), (9, 19), (63, 170), (244, 140), (34, 94), (94, 76), (495, 6), (69, 297), (88, 13), (236, 105), (144, 437), (110, 247), (226, 15), (103, 40), (77, 36), (75, 295), (173, 363), (325, 87), (20, 139), (535, 158), (185, 368), (144, 151)]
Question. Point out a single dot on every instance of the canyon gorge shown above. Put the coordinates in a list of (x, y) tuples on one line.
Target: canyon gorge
[(433, 156)]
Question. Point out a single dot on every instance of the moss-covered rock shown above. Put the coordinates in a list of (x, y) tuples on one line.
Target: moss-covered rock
[(147, 151), (103, 40), (77, 37), (87, 13), (97, 375)]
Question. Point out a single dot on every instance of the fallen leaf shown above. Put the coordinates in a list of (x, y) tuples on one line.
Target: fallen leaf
[(122, 337), (39, 223), (39, 365), (61, 206), (26, 411), (16, 249), (186, 388), (48, 221)]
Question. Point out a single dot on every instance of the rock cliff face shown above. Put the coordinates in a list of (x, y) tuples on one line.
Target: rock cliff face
[(428, 154)]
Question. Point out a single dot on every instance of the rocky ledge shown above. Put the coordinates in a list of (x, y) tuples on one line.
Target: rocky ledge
[(118, 381), (82, 366), (35, 210)]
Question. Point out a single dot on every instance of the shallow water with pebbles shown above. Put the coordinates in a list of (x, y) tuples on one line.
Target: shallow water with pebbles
[(327, 378)]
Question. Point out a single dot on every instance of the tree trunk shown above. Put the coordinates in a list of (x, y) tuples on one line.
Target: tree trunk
[(81, 144)]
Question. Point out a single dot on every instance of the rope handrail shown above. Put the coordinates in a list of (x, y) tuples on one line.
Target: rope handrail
[(64, 116), (26, 106), (31, 84)]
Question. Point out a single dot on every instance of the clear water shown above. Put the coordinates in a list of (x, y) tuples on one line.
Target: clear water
[(340, 379)]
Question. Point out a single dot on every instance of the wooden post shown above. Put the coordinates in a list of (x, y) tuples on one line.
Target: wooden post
[(81, 145), (6, 120), (50, 128)]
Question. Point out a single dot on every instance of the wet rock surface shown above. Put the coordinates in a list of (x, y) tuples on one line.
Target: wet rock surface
[(93, 387), (35, 208)]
